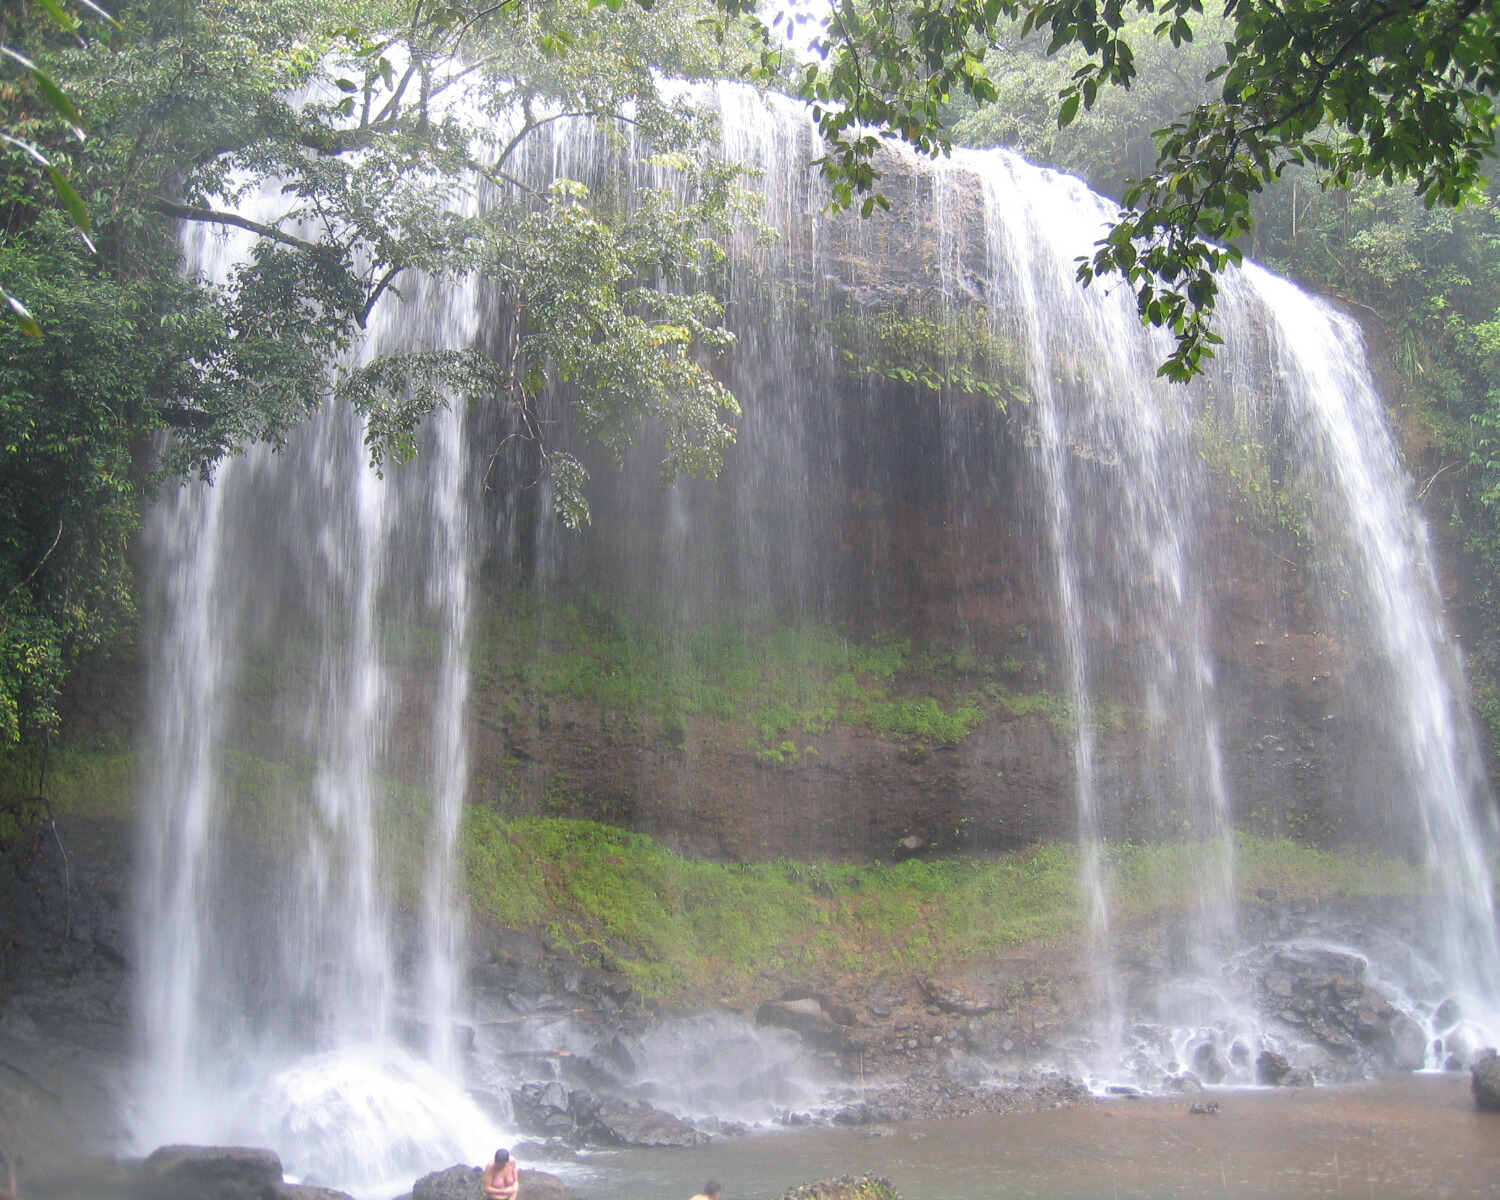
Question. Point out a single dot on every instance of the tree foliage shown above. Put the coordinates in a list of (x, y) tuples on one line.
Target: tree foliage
[(1396, 90), (355, 146), (1424, 278)]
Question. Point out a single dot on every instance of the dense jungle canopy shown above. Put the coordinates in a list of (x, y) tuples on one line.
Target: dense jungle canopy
[(1344, 144)]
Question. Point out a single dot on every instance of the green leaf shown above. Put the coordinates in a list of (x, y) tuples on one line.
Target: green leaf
[(24, 319), (60, 16), (56, 97), (26, 148), (1068, 111), (72, 201)]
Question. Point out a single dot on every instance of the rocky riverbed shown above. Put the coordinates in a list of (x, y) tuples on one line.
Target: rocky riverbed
[(573, 1057)]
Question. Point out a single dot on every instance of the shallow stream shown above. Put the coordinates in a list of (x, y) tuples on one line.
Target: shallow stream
[(1413, 1138)]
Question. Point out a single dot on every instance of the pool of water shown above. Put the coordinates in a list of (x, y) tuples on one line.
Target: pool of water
[(1411, 1138)]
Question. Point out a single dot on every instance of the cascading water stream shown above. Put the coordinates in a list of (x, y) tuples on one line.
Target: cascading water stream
[(1321, 356), (301, 904), (1122, 484), (275, 1008)]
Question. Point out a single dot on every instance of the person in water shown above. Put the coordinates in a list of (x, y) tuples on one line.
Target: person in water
[(502, 1179), (710, 1191)]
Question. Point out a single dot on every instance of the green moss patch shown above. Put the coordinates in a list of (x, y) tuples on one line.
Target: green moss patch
[(773, 682), (86, 782), (679, 926)]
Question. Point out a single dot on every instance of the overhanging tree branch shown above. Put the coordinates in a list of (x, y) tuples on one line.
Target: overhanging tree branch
[(212, 216)]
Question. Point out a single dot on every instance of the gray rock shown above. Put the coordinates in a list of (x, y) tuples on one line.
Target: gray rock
[(305, 1191), (838, 1012), (638, 1125), (966, 1069), (1272, 1069), (957, 996), (538, 1185), (808, 1019), (208, 1173), (622, 1052), (801, 1016), (1207, 1064), (1408, 1044), (454, 1183), (1448, 1015), (1185, 1082), (1486, 1081)]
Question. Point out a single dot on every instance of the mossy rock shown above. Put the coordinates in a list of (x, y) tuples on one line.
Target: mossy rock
[(846, 1187)]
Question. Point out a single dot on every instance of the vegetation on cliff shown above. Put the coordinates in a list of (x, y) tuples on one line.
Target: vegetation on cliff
[(768, 679), (681, 927)]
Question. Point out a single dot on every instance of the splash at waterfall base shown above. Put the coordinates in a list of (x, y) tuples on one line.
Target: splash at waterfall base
[(800, 1031)]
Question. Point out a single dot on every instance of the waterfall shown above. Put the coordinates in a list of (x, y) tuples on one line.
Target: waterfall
[(303, 604), (301, 911), (1419, 688)]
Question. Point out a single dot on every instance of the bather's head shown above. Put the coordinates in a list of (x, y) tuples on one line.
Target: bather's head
[(711, 1189), (502, 1157)]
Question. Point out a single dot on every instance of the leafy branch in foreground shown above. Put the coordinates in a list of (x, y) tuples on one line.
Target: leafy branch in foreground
[(356, 150), (63, 108), (1396, 90)]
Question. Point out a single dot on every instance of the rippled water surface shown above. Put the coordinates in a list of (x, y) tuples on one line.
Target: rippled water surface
[(1415, 1138)]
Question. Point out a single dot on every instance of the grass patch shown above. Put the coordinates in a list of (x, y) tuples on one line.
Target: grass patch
[(84, 782), (774, 682), (678, 926)]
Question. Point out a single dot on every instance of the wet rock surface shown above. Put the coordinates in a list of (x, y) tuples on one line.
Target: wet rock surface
[(1485, 1075), (64, 990), (922, 1099), (553, 1110), (451, 1183), (641, 1125), (467, 1183), (846, 1187), (213, 1173), (1323, 995)]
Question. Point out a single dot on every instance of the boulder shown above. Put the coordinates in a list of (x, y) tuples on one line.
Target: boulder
[(1486, 1081), (1272, 1069), (956, 996), (208, 1173), (543, 1108), (808, 1019), (966, 1069), (1407, 1050), (467, 1183), (1207, 1064), (801, 1016), (838, 1012), (538, 1185), (638, 1125), (305, 1191), (454, 1183), (846, 1187)]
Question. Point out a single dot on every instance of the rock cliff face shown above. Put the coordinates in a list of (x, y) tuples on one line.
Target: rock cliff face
[(883, 508)]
